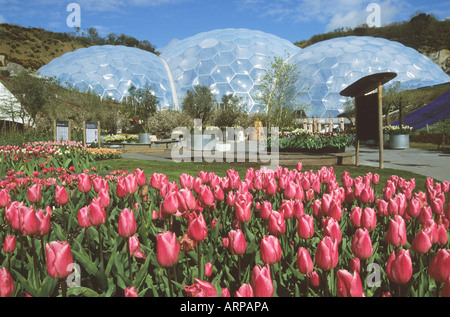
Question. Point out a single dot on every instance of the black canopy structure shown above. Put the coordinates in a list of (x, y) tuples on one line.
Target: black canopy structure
[(368, 108)]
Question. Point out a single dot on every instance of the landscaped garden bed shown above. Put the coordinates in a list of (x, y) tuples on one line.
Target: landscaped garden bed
[(71, 228)]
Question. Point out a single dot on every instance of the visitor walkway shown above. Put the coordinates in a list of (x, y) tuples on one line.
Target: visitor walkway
[(427, 163)]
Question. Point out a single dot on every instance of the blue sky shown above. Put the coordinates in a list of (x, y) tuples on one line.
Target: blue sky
[(160, 21)]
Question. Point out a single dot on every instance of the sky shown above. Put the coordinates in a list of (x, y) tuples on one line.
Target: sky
[(161, 21)]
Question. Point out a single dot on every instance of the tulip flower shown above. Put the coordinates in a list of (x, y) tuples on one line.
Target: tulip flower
[(104, 197), (422, 242), (96, 213), (34, 193), (348, 284), (304, 261), (167, 248), (121, 189), (131, 292), (276, 224), (206, 196), (6, 283), (266, 210), (59, 259), (236, 242), (83, 219), (243, 206), (200, 288), (270, 250), (186, 200), (10, 244), (84, 183), (169, 205), (305, 226), (355, 264), (361, 244), (314, 279), (44, 222), (28, 221), (413, 208), (326, 256), (331, 229), (245, 291), (126, 223), (369, 218), (140, 177), (134, 248), (355, 216), (439, 267), (446, 288), (399, 267), (61, 196), (226, 292), (396, 234), (197, 229), (5, 198), (208, 269), (261, 281)]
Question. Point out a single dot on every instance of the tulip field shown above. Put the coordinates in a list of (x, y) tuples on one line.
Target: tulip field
[(68, 229)]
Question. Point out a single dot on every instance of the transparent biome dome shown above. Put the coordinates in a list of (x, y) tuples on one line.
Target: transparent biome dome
[(229, 61), (330, 66), (110, 71)]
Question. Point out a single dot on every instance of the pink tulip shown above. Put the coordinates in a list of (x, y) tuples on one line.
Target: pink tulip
[(134, 247), (96, 213), (396, 234), (131, 292), (236, 242), (157, 179), (5, 198), (305, 226), (34, 193), (59, 259), (439, 267), (197, 229), (422, 242), (170, 204), (245, 291), (206, 196), (121, 188), (413, 208), (261, 281), (348, 284), (270, 250), (276, 224), (10, 244), (200, 289), (208, 269), (331, 229), (44, 222), (243, 206), (369, 218), (84, 183), (355, 216), (446, 288), (83, 219), (28, 221), (140, 177), (361, 244), (104, 197), (399, 267), (314, 279), (6, 283), (127, 223), (167, 248), (355, 264), (327, 256), (266, 210), (304, 261)]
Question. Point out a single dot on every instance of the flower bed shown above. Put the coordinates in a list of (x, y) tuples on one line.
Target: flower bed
[(266, 233), (303, 141)]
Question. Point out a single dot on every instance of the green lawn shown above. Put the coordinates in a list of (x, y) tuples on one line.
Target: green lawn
[(174, 170)]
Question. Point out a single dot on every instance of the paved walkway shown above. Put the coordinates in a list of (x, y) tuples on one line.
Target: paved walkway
[(428, 163)]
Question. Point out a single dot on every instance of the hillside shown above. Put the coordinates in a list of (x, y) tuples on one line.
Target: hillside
[(35, 47)]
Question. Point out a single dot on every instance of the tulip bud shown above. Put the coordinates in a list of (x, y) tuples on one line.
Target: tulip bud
[(10, 244), (305, 226), (326, 256), (261, 281), (422, 242), (140, 177), (369, 218), (440, 266), (6, 283), (304, 261), (84, 183), (331, 229), (361, 244), (134, 247), (83, 219), (396, 234), (399, 267), (127, 223), (197, 229), (34, 193), (348, 285), (270, 250), (355, 265), (61, 196), (236, 242), (131, 292), (206, 196), (208, 269), (167, 249), (96, 213), (314, 279), (5, 198), (59, 259), (243, 206)]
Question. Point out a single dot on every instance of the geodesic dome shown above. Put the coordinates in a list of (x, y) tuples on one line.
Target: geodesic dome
[(330, 66), (110, 71), (229, 61)]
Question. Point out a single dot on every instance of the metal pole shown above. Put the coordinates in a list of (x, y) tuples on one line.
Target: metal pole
[(380, 125)]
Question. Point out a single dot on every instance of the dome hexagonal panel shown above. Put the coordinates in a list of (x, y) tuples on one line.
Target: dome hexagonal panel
[(330, 66), (110, 71), (232, 58)]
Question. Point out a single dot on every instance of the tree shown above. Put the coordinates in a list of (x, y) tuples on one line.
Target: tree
[(199, 103), (143, 103), (278, 91), (227, 111), (394, 99)]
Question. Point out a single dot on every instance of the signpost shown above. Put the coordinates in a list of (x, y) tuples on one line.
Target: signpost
[(62, 130), (91, 132), (369, 105)]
